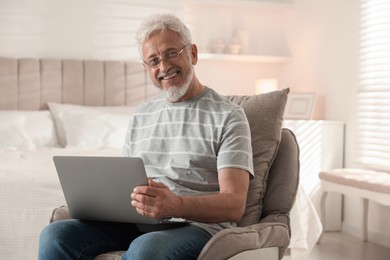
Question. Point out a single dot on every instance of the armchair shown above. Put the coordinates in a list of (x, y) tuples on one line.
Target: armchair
[(270, 237), (264, 231)]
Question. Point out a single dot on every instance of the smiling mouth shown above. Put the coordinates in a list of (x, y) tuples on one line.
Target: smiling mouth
[(167, 76)]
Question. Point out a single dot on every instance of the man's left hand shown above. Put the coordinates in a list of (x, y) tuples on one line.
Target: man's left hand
[(155, 200)]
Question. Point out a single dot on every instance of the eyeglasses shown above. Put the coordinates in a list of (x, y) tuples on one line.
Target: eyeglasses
[(168, 56)]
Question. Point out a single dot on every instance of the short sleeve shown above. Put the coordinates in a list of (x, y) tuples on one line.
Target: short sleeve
[(235, 150)]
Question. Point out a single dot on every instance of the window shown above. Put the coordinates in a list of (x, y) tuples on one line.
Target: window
[(374, 94)]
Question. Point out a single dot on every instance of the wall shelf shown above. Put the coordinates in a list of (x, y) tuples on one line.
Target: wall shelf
[(243, 58)]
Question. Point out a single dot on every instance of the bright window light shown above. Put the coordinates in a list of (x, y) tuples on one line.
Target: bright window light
[(373, 111)]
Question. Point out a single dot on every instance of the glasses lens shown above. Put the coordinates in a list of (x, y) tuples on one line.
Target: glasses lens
[(171, 54), (153, 62)]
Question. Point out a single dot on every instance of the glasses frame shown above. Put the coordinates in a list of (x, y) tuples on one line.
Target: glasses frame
[(162, 57)]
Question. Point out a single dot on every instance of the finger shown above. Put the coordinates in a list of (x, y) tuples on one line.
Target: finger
[(148, 190), (143, 209), (144, 199), (156, 184), (141, 190), (139, 206)]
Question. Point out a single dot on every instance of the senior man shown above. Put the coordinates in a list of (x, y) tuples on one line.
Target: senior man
[(197, 152)]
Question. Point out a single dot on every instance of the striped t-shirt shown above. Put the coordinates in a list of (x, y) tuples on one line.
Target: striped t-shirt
[(184, 144)]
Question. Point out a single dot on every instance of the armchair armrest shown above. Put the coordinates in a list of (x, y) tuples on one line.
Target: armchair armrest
[(232, 241), (60, 213)]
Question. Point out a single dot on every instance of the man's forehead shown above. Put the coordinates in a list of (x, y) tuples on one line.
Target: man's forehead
[(160, 41)]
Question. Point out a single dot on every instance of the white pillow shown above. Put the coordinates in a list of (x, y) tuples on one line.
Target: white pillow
[(27, 130), (89, 126)]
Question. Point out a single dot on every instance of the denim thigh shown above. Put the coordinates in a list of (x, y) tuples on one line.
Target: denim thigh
[(183, 242), (75, 239)]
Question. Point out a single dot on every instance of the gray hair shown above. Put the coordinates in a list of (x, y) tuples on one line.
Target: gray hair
[(162, 22)]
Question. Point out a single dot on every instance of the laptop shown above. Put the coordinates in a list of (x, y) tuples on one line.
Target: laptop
[(99, 188)]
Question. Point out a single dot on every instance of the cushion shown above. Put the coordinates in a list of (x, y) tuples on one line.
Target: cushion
[(27, 130), (276, 202), (265, 116), (101, 126), (94, 129)]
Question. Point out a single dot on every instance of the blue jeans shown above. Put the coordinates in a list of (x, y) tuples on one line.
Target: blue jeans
[(75, 239)]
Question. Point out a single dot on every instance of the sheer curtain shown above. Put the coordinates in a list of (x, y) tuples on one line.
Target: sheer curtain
[(374, 94)]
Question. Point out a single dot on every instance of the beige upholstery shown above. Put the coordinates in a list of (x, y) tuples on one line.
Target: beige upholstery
[(363, 179), (265, 116), (273, 229), (28, 84)]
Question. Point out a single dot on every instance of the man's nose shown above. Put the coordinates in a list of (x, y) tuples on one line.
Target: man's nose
[(164, 65)]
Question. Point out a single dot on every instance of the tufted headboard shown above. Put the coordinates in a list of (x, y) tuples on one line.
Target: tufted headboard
[(28, 84)]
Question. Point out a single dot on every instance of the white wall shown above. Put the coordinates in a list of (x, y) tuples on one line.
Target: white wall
[(235, 78), (80, 29), (262, 31), (323, 39), (321, 36)]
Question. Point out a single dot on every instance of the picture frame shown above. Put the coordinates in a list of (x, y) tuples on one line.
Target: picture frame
[(299, 105)]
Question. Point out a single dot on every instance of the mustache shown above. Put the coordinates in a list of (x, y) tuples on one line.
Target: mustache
[(163, 74)]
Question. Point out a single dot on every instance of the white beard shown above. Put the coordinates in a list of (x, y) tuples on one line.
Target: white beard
[(174, 93)]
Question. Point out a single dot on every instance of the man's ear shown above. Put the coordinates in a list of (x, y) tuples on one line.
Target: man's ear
[(194, 54)]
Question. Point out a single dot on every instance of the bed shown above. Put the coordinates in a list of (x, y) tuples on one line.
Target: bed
[(74, 107)]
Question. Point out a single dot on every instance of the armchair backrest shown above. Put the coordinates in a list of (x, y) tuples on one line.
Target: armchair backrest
[(283, 180)]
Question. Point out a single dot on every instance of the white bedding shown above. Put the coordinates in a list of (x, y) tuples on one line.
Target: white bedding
[(29, 191), (29, 187)]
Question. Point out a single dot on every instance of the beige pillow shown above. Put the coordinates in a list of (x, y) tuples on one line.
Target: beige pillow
[(265, 116)]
